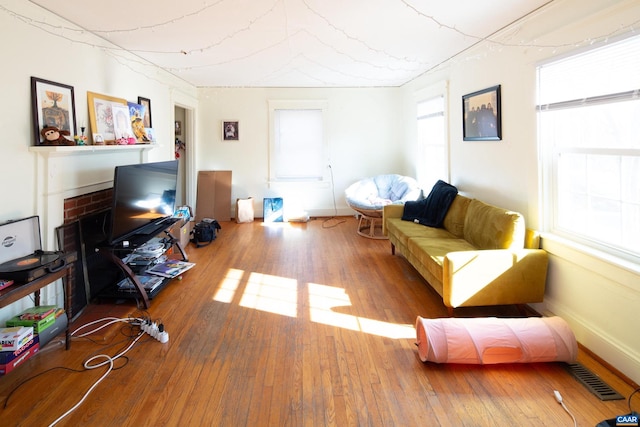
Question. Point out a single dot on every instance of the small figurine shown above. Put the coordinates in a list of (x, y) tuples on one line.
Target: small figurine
[(51, 135)]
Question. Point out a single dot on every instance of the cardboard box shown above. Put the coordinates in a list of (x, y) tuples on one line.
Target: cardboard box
[(181, 231), (13, 338), (214, 195), (9, 360), (185, 233), (37, 325)]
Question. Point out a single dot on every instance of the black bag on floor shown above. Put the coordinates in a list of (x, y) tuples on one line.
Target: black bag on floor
[(204, 232)]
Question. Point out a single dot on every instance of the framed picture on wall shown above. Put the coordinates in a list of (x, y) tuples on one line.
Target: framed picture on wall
[(230, 131), (481, 115), (53, 104)]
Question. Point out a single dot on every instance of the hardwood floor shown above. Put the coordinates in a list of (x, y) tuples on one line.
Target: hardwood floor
[(291, 325)]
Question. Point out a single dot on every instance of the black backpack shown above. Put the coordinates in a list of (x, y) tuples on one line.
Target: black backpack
[(204, 232)]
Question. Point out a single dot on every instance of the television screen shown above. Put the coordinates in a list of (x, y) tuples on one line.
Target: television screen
[(144, 197)]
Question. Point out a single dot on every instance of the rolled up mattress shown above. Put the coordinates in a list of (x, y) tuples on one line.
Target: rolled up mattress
[(491, 340)]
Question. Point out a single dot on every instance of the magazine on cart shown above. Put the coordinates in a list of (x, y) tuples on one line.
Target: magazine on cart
[(170, 268)]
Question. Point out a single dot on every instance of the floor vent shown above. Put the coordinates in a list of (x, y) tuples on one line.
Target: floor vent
[(593, 383)]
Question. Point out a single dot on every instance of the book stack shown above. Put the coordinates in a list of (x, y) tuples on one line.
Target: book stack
[(40, 318), (44, 323), (17, 345), (5, 283)]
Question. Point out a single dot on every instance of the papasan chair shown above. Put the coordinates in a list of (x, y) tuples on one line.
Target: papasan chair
[(369, 195)]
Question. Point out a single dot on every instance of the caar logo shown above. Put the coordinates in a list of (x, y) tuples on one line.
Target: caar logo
[(627, 420)]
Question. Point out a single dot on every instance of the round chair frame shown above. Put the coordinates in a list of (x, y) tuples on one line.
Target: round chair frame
[(370, 221)]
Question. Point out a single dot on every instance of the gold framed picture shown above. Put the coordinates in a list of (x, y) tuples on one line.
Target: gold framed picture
[(101, 115)]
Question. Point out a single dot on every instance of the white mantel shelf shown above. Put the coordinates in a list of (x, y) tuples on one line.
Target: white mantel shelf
[(72, 150)]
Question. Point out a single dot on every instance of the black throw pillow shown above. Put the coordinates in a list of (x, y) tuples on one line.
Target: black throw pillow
[(432, 210)]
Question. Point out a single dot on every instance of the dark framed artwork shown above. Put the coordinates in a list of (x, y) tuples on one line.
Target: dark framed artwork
[(146, 102), (230, 131), (53, 104), (481, 115), (178, 130)]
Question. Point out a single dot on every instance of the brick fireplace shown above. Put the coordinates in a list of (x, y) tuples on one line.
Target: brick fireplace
[(79, 206)]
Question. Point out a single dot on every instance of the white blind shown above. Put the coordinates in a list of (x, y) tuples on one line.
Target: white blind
[(299, 147), (611, 69)]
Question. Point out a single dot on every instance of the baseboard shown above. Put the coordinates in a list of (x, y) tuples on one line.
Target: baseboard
[(599, 345)]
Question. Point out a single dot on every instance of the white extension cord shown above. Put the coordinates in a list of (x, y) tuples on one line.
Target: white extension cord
[(148, 327), (156, 331)]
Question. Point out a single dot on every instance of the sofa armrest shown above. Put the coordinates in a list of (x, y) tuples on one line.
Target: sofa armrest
[(494, 277), (390, 211)]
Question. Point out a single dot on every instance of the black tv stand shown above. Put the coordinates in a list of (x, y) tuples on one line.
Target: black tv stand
[(116, 253)]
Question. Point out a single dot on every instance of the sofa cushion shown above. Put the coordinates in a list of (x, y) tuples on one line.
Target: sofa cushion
[(405, 230), (431, 252), (454, 221), (490, 227), (432, 210)]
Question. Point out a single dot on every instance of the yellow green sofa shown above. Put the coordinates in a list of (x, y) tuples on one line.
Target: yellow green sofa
[(482, 256)]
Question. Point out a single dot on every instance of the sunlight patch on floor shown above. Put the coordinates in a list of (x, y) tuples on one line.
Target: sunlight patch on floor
[(272, 294), (279, 295), (227, 288), (322, 300)]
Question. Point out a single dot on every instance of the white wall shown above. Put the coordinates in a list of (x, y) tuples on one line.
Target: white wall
[(598, 298), (29, 51), (363, 129)]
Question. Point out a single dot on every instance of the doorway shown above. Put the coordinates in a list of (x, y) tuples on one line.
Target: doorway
[(180, 138)]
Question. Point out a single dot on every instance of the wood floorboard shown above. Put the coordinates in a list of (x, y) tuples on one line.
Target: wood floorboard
[(292, 325)]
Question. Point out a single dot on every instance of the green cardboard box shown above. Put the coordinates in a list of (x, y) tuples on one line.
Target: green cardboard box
[(38, 325)]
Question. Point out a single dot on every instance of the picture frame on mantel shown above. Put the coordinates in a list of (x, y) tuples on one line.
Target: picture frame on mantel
[(482, 115), (53, 104), (146, 103), (101, 115)]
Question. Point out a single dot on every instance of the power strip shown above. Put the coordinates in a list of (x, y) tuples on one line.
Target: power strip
[(156, 331)]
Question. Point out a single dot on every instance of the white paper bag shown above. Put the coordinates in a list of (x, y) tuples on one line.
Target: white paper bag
[(244, 210)]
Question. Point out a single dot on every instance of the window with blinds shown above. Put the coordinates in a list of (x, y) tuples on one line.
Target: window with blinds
[(589, 139), (298, 149)]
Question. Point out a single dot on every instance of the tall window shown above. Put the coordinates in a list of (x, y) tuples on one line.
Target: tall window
[(298, 149), (588, 115), (432, 142)]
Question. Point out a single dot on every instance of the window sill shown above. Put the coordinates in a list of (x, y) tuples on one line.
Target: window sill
[(614, 268)]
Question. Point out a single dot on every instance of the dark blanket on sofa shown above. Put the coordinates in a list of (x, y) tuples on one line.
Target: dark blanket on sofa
[(432, 210)]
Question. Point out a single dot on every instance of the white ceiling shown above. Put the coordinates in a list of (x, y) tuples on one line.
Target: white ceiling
[(291, 43)]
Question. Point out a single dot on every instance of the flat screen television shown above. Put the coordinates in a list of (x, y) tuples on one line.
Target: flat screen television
[(144, 197)]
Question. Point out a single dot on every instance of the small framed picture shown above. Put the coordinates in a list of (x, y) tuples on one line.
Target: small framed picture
[(230, 131), (121, 121), (481, 115), (178, 131), (150, 134), (53, 104), (146, 103)]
